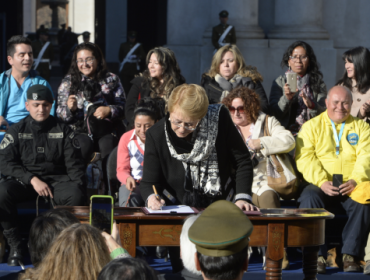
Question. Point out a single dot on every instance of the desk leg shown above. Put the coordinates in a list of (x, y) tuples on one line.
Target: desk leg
[(275, 251), (127, 232), (310, 255)]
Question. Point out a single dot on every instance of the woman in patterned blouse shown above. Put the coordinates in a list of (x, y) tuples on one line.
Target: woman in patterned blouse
[(89, 83)]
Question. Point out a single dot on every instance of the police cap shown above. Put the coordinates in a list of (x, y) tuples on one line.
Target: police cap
[(132, 34), (40, 92), (230, 229), (224, 14), (86, 34)]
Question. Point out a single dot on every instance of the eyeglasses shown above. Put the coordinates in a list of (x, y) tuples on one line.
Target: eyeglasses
[(239, 110), (88, 61), (189, 127), (297, 57)]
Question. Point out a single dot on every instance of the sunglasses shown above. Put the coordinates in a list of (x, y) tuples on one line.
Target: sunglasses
[(239, 110)]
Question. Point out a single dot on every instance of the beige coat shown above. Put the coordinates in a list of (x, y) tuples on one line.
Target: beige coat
[(280, 141), (358, 100)]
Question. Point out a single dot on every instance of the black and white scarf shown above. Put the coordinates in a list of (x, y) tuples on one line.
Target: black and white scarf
[(202, 161)]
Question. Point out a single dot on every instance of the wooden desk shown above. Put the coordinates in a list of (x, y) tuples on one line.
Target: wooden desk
[(275, 229)]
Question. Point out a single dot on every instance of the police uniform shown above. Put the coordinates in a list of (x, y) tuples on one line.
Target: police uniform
[(42, 149), (218, 30), (45, 65), (130, 68)]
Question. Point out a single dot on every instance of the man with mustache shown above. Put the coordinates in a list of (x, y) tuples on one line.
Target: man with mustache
[(15, 82)]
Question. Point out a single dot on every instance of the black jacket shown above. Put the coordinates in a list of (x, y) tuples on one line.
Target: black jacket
[(168, 173), (136, 92), (214, 91), (45, 150)]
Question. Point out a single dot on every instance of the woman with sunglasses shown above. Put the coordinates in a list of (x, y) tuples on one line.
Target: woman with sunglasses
[(229, 70), (293, 109), (244, 107), (89, 83)]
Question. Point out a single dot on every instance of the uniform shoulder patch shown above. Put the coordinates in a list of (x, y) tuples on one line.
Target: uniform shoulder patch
[(7, 140), (353, 139)]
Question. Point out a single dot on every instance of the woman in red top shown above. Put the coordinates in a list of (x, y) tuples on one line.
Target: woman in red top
[(130, 155)]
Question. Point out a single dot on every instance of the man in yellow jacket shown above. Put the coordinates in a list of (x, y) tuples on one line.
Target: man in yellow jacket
[(337, 143)]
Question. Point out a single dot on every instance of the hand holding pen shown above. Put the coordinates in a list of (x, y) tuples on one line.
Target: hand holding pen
[(155, 202)]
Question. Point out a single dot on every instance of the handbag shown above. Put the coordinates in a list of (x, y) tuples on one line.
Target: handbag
[(280, 172), (96, 128)]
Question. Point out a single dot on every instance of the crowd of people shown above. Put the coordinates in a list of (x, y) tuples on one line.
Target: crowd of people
[(201, 145)]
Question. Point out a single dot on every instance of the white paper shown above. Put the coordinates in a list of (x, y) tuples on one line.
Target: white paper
[(180, 209)]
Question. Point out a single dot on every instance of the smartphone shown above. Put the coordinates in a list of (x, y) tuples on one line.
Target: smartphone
[(101, 212), (292, 81), (337, 180), (3, 128)]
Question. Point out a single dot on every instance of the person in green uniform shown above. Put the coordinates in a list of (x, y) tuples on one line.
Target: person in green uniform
[(129, 61), (219, 30), (43, 62)]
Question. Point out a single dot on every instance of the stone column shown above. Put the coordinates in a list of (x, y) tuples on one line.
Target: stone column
[(29, 16), (298, 19)]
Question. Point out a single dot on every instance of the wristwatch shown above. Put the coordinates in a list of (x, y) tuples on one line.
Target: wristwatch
[(262, 147)]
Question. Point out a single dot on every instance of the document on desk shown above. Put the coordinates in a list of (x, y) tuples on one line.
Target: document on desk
[(174, 209)]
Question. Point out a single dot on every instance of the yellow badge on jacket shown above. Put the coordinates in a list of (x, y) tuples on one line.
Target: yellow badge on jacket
[(361, 193)]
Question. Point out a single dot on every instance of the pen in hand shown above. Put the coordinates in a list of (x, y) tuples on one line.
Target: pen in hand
[(157, 196)]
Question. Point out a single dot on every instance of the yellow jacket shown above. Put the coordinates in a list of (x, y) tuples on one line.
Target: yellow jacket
[(315, 153)]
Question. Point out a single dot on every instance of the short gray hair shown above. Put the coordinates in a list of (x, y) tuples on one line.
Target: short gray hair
[(345, 88)]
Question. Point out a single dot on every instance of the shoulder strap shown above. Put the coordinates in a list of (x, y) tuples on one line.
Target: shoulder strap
[(274, 159), (224, 35), (266, 131), (41, 53)]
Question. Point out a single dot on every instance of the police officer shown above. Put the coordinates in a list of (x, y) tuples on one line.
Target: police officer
[(38, 157), (43, 53), (227, 247), (130, 54), (86, 36), (223, 30)]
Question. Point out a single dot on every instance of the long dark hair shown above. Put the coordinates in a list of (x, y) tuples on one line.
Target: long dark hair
[(313, 66), (76, 76), (360, 57), (171, 73)]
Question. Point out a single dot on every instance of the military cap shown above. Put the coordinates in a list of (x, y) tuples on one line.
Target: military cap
[(40, 92), (86, 34), (221, 230), (224, 14), (132, 34), (43, 30)]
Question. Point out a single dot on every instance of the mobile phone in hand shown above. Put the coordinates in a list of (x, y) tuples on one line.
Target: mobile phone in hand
[(101, 212), (337, 181), (292, 81)]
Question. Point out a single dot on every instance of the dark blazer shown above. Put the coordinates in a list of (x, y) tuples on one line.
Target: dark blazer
[(214, 91), (168, 173)]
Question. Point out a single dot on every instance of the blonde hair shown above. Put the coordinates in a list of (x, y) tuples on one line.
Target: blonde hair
[(244, 70), (191, 99), (79, 252)]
